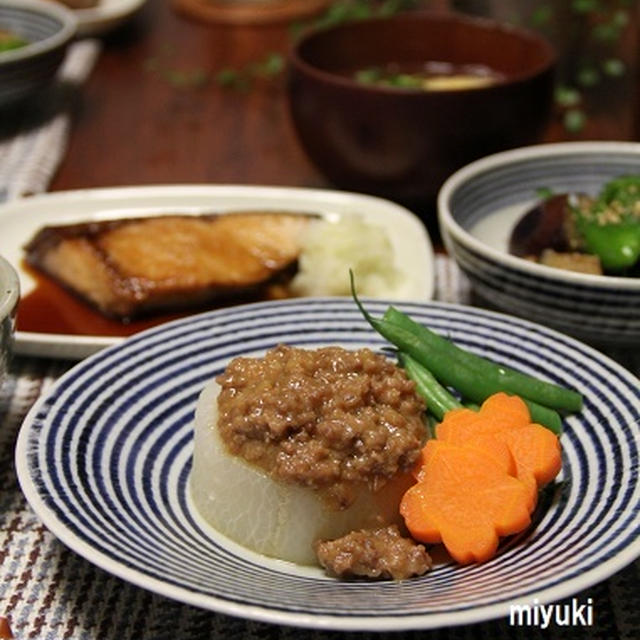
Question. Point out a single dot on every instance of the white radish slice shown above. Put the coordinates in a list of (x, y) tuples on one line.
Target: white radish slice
[(273, 518)]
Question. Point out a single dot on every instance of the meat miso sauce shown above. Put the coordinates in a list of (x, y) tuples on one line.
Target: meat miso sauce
[(322, 443), (375, 553)]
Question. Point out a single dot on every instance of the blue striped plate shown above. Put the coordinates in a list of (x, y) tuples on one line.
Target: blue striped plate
[(104, 459)]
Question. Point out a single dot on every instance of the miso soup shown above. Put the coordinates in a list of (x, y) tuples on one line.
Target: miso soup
[(430, 76)]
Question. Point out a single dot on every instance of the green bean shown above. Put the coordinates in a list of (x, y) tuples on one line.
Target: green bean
[(544, 416), (473, 385), (491, 374), (431, 424), (468, 382), (451, 373), (438, 399)]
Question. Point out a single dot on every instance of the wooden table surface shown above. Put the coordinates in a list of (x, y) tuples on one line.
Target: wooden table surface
[(145, 118), (153, 112)]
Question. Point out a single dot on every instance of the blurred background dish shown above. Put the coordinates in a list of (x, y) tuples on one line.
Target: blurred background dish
[(103, 15), (45, 29), (249, 12), (78, 4), (479, 207), (9, 296), (396, 138)]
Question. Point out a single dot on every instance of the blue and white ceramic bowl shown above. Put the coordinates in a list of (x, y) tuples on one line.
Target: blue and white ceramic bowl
[(478, 208), (104, 459), (48, 27)]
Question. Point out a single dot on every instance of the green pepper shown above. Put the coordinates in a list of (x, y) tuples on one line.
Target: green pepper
[(609, 226), (617, 245), (625, 189)]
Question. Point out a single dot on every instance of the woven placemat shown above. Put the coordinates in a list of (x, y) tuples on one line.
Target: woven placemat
[(33, 139)]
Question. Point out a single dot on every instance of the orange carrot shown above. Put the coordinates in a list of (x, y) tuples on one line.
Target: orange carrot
[(465, 500), (504, 420), (464, 426), (499, 411), (479, 479), (535, 449)]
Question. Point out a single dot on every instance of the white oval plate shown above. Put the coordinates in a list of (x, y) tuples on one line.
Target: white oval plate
[(20, 219), (104, 459)]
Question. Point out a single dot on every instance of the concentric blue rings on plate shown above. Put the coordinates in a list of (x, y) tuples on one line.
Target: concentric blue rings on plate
[(491, 193), (104, 460)]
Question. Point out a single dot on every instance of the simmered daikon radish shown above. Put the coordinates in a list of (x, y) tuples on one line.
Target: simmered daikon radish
[(269, 516)]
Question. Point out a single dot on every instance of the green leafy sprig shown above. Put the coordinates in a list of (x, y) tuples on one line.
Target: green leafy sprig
[(605, 23), (338, 12)]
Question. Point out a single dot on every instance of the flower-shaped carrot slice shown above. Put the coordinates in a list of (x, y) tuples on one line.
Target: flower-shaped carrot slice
[(465, 500), (463, 426), (504, 420)]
